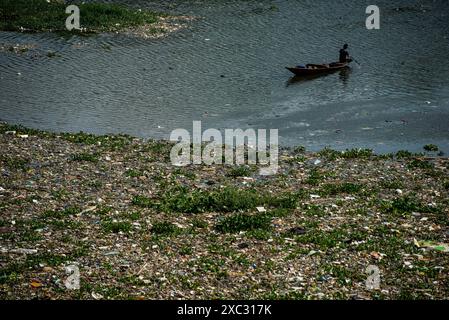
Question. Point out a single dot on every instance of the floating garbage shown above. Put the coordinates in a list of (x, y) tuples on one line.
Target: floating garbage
[(36, 284), (96, 296), (297, 230), (23, 251), (442, 247)]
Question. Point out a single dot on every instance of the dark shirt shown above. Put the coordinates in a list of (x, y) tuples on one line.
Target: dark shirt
[(344, 55)]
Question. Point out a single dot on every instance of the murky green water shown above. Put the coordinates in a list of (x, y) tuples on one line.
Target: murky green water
[(227, 70)]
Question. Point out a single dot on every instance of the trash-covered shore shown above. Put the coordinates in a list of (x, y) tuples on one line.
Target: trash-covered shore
[(50, 16), (136, 227)]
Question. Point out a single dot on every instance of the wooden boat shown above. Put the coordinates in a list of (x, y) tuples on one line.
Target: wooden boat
[(311, 69)]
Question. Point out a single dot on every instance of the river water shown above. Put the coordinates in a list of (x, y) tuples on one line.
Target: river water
[(227, 69)]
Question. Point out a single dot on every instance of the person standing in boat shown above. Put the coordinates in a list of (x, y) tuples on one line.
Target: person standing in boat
[(344, 54)]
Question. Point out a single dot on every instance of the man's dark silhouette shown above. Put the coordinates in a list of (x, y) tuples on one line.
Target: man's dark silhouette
[(344, 55)]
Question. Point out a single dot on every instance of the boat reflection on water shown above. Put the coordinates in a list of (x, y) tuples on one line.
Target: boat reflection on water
[(343, 75)]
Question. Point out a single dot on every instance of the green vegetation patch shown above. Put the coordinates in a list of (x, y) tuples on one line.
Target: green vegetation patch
[(346, 154), (116, 226), (88, 157), (391, 184), (299, 149), (405, 205), (229, 199), (325, 239), (164, 228), (446, 185), (315, 177), (186, 173), (244, 222), (133, 173), (14, 163), (143, 202), (115, 142), (105, 142), (60, 214), (356, 153), (431, 147), (199, 223), (239, 171), (404, 154), (12, 272), (418, 163), (315, 211)]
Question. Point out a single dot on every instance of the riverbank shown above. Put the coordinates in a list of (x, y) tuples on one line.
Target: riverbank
[(139, 228), (50, 16)]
